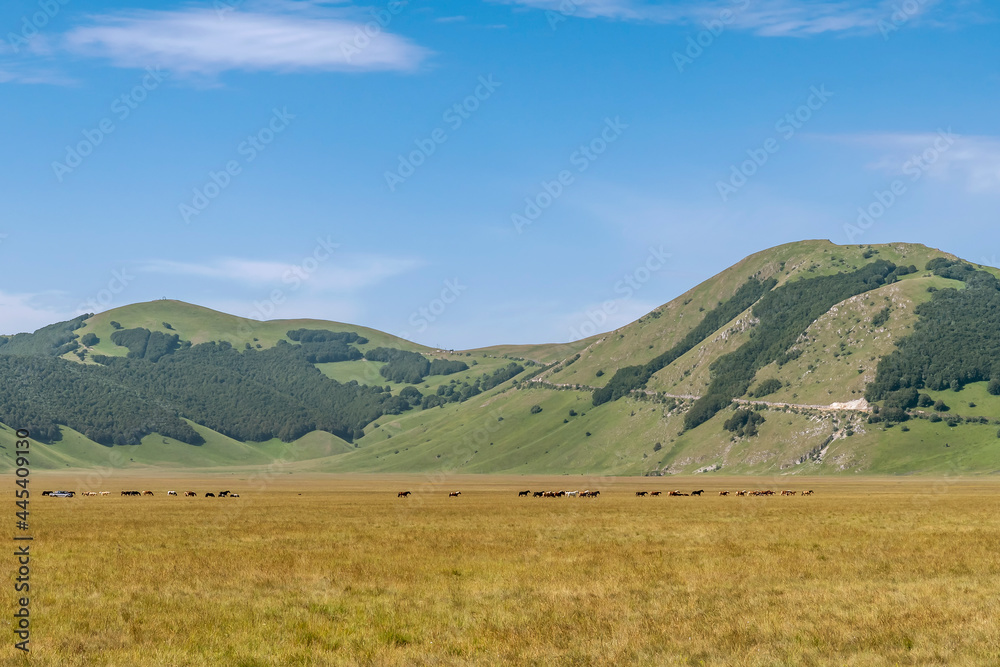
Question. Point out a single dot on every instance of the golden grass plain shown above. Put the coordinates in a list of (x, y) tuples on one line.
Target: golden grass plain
[(336, 570)]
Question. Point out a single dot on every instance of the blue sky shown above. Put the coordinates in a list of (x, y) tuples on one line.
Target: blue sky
[(479, 172)]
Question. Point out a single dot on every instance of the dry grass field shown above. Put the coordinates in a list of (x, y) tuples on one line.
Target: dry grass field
[(331, 570)]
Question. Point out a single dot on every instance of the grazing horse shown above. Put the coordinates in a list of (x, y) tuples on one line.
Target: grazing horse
[(147, 493), (190, 494), (402, 494), (454, 494), (641, 494), (698, 492), (234, 495), (171, 493), (105, 493), (209, 495)]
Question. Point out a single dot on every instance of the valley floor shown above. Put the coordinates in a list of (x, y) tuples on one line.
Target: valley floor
[(312, 569)]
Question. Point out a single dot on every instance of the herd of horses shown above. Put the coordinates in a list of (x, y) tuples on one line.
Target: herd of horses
[(559, 494), (639, 494), (187, 494)]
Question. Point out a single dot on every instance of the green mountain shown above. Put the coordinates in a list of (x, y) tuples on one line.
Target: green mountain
[(808, 358)]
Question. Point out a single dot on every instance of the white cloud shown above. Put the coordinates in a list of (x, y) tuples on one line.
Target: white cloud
[(769, 18), (208, 42), (21, 313), (342, 274), (972, 161)]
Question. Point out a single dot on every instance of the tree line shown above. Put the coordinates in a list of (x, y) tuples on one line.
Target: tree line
[(784, 314), (411, 367), (955, 341), (630, 378)]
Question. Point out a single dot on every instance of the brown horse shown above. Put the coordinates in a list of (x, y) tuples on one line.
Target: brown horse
[(402, 494), (454, 494)]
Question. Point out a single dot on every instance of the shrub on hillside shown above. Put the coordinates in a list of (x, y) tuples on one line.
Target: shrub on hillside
[(902, 399), (881, 317), (412, 394), (744, 422), (446, 367), (766, 388)]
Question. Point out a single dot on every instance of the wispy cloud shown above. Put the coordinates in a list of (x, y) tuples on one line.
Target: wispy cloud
[(14, 73), (27, 312), (343, 274), (207, 42), (971, 161), (262, 36), (768, 18)]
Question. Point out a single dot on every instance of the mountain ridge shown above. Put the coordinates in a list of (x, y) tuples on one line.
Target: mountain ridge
[(530, 408)]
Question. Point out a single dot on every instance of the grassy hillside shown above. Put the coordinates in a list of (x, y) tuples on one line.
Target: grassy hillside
[(76, 451), (544, 420), (367, 372), (199, 325), (841, 350), (641, 340)]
